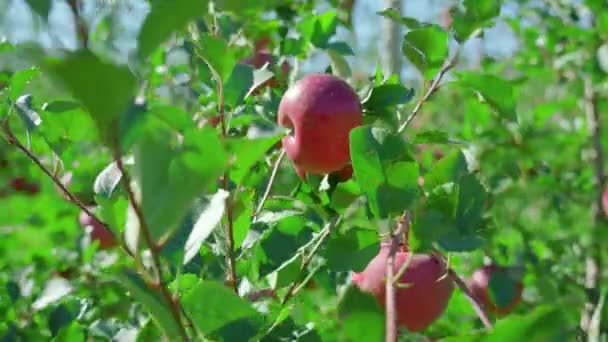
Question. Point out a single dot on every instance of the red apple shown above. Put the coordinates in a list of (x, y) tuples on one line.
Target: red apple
[(345, 173), (20, 184), (479, 285), (321, 109), (97, 231), (426, 291)]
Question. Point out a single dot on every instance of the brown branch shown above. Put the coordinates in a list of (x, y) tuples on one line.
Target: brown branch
[(12, 139), (477, 306), (449, 64), (593, 260), (160, 286)]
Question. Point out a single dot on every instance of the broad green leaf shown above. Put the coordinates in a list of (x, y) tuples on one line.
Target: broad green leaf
[(54, 289), (502, 287), (61, 317), (478, 14), (544, 323), (497, 92), (71, 333), (448, 169), (318, 29), (287, 273), (247, 153), (172, 173), (151, 300), (218, 55), (342, 48), (208, 219), (149, 332), (19, 81), (426, 48), (432, 137), (164, 18), (387, 95), (361, 316), (104, 89), (245, 8), (383, 169), (352, 250), (344, 195), (238, 85), (214, 307)]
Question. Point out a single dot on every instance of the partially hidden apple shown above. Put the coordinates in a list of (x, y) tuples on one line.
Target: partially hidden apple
[(20, 184), (426, 289), (321, 110), (479, 285), (97, 231), (261, 58), (605, 201)]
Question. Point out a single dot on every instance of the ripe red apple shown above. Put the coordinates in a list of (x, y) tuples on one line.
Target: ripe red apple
[(321, 109), (424, 297), (20, 184), (479, 285), (345, 173), (97, 231)]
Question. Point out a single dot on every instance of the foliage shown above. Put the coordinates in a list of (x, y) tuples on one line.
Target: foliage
[(175, 146)]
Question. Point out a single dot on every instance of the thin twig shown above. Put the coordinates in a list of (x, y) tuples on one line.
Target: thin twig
[(391, 305), (174, 305), (12, 139), (432, 88), (308, 258), (593, 262), (273, 175), (477, 306)]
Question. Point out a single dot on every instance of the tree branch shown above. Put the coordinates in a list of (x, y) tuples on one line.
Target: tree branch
[(391, 305), (593, 260), (308, 258), (477, 306), (449, 64), (273, 176), (174, 305)]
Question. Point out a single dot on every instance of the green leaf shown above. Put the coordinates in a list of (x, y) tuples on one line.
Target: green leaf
[(478, 14), (245, 8), (247, 153), (71, 333), (497, 92), (383, 169), (171, 174), (344, 195), (237, 86), (361, 316), (432, 137), (151, 300), (502, 287), (19, 81), (218, 55), (287, 273), (41, 7), (319, 29), (164, 18), (104, 89), (352, 250), (208, 219), (409, 22), (544, 323), (215, 308), (448, 169), (386, 96), (426, 48)]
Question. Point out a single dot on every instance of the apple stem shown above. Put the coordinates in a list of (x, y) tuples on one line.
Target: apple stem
[(477, 306)]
